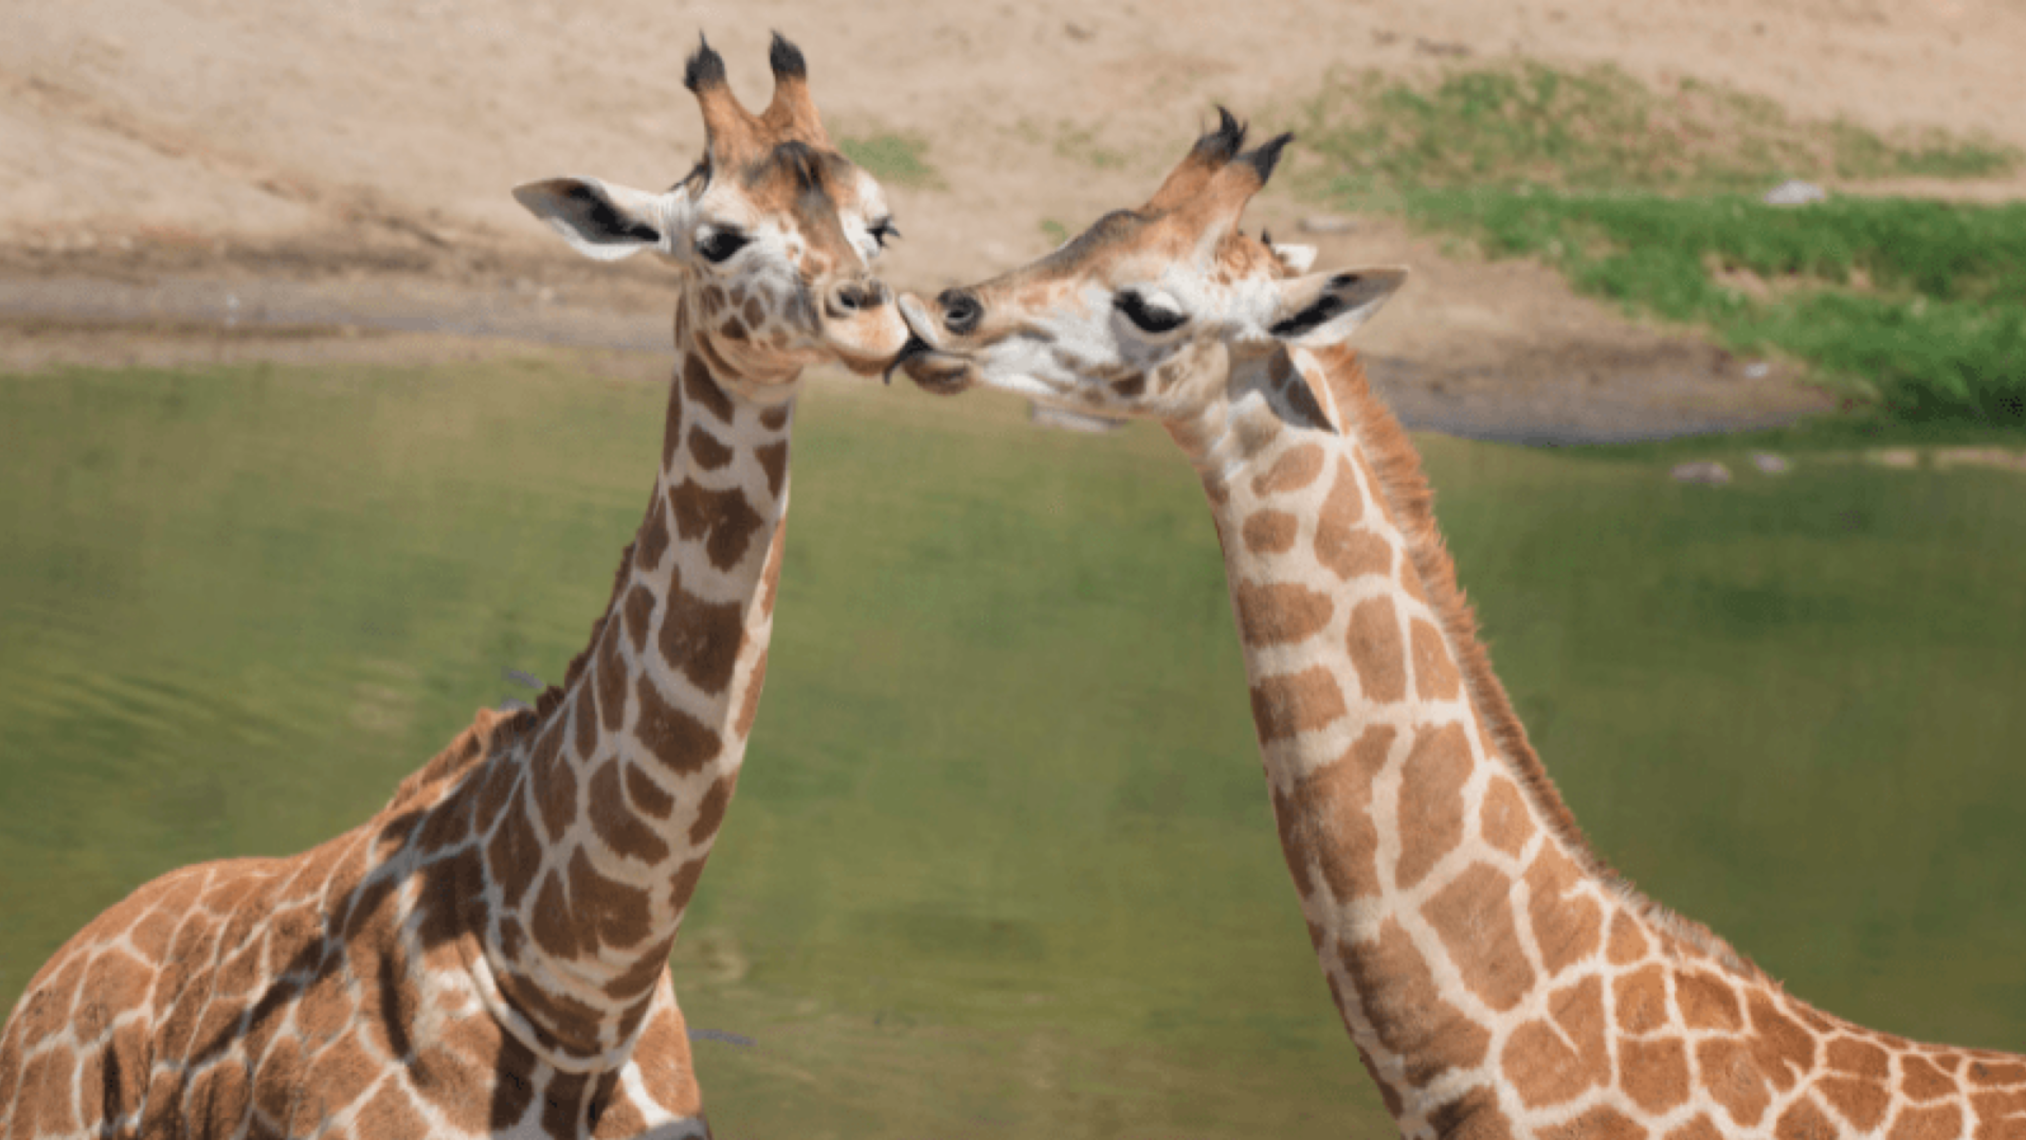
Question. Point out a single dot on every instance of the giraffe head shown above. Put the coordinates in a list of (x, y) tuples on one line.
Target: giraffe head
[(1150, 311), (774, 231)]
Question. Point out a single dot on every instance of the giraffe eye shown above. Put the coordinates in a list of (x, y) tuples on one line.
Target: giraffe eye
[(1149, 316), (884, 232), (721, 244)]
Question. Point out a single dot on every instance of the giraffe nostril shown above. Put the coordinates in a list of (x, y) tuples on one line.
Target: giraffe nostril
[(961, 310), (856, 296)]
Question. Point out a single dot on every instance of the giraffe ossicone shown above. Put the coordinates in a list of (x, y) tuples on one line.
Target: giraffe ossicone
[(1497, 978), (488, 955)]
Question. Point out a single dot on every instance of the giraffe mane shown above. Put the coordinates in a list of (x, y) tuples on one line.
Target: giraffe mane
[(492, 732), (1405, 488)]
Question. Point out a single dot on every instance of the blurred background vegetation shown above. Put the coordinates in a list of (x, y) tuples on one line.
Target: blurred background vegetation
[(1653, 197)]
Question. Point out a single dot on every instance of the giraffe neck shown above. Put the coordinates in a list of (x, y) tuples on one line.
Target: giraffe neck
[(599, 816), (1410, 809)]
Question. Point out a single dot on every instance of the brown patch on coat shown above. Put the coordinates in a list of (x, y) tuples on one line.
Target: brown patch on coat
[(702, 388), (605, 910), (684, 885), (1804, 1121), (43, 1105), (702, 639), (1353, 554), (642, 975), (1504, 817), (513, 1088), (621, 829), (671, 432), (611, 680), (1567, 927), (776, 417), (1376, 651), (1403, 495), (1435, 676), (1269, 532), (723, 520), (1296, 468), (639, 609), (515, 854), (1473, 1116), (1864, 1059), (773, 459), (1863, 1103), (1707, 1001), (679, 740), (1406, 1008), (1701, 1128), (1327, 820), (1292, 703), (1431, 814), (647, 795), (1280, 613), (1552, 1063), (550, 921), (1784, 1050), (389, 1113), (1654, 1073), (710, 814), (1942, 1122), (1732, 1080), (1641, 1000), (1919, 1078), (1600, 1123), (1990, 1075), (653, 540), (339, 1075), (584, 719), (1628, 942), (2000, 1115), (553, 783), (709, 452), (1473, 916)]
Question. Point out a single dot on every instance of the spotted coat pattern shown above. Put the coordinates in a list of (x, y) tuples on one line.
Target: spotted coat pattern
[(488, 954), (1497, 980)]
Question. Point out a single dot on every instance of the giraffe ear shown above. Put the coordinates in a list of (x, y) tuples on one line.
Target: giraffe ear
[(605, 222), (1325, 308)]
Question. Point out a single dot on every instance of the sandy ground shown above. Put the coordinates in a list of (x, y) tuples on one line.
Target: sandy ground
[(216, 168)]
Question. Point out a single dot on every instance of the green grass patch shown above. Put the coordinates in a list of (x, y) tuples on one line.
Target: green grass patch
[(1002, 862), (1919, 307), (1649, 196), (899, 159), (1599, 128)]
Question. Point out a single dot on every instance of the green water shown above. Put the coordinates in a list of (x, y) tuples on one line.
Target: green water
[(1001, 862)]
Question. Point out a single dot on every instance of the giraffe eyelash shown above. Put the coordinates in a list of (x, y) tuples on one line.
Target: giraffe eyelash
[(884, 232), (1148, 318), (721, 245)]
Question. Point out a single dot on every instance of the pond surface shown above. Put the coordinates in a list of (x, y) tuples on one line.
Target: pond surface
[(1001, 862)]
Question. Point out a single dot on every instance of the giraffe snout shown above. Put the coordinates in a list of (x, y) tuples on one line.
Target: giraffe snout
[(849, 298)]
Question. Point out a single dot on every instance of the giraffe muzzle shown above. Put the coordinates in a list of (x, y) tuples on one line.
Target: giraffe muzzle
[(847, 299), (931, 368)]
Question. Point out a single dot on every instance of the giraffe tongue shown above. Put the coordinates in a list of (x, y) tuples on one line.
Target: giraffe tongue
[(915, 347)]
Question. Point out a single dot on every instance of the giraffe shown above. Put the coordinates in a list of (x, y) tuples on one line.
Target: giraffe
[(488, 955), (1496, 977)]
